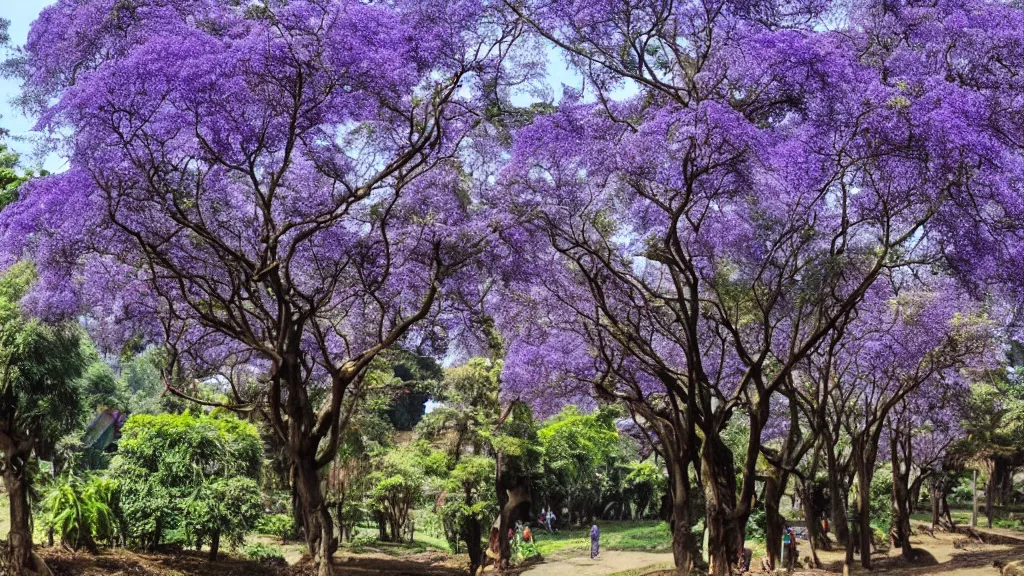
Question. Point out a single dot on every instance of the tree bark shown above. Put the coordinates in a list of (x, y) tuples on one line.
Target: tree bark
[(19, 540), (900, 498), (838, 496), (974, 500), (725, 536), (865, 469), (814, 531), (990, 488), (774, 488), (214, 546), (685, 550), (316, 516)]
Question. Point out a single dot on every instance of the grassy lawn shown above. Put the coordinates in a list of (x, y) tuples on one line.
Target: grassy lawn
[(364, 539), (1001, 519), (644, 536)]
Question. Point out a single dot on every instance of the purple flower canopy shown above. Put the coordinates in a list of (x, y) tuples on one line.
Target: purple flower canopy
[(772, 168), (753, 189), (226, 157)]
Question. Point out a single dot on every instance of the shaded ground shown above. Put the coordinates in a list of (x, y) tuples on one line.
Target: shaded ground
[(117, 562), (939, 558), (609, 562)]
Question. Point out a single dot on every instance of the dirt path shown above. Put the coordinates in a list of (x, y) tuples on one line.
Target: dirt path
[(609, 562), (937, 556)]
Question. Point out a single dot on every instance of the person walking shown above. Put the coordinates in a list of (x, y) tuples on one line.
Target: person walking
[(595, 541)]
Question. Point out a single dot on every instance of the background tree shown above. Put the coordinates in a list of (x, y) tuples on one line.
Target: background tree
[(301, 238), (396, 486), (40, 367), (228, 507), (700, 242), (177, 471), (469, 504)]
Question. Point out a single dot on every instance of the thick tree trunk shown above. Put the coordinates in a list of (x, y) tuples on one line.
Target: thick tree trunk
[(472, 535), (901, 509), (900, 531), (838, 500), (814, 531), (864, 510), (685, 551), (774, 487), (214, 546), (19, 540), (725, 532), (316, 516), (914, 497)]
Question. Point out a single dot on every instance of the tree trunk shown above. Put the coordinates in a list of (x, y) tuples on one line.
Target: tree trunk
[(814, 531), (838, 500), (774, 487), (19, 540), (990, 488), (936, 497), (901, 507), (685, 551), (864, 510), (974, 500), (473, 533), (214, 546), (504, 552), (725, 535), (316, 516)]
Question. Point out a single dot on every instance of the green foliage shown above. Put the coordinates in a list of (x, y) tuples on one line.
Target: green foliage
[(40, 366), (396, 486), (280, 525), (82, 512), (470, 500), (228, 507), (470, 408), (263, 553), (100, 387), (142, 381), (757, 523), (173, 466), (881, 501), (10, 177), (645, 484), (583, 462)]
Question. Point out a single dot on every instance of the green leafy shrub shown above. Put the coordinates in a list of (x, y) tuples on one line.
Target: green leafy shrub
[(82, 512), (227, 507), (172, 469), (757, 523), (280, 525), (264, 554)]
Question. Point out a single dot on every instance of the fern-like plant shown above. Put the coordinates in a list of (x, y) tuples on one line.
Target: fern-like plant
[(81, 511)]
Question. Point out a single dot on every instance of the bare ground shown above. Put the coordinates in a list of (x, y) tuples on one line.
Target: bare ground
[(938, 556)]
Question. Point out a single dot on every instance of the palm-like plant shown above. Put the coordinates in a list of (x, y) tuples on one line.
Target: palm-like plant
[(81, 511)]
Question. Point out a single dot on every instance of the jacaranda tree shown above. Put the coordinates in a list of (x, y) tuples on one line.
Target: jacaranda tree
[(283, 188), (731, 183)]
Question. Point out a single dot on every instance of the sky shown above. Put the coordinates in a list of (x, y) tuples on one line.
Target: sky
[(21, 13)]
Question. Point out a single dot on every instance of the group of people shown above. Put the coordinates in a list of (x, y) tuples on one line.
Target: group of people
[(547, 519)]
